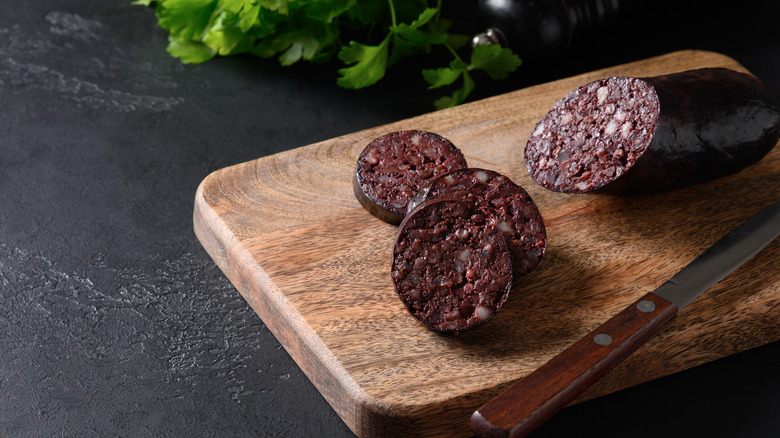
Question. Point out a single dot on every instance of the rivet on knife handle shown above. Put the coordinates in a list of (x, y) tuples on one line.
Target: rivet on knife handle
[(530, 402)]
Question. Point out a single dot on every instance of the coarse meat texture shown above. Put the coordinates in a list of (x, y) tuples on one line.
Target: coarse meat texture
[(392, 168), (505, 204), (451, 268), (631, 136), (593, 135)]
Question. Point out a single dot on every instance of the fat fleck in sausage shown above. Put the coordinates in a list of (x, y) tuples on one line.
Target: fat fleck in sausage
[(451, 268), (504, 204), (634, 135), (392, 168)]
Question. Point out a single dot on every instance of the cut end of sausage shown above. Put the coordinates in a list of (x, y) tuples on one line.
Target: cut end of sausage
[(593, 135), (393, 167), (505, 204), (451, 269)]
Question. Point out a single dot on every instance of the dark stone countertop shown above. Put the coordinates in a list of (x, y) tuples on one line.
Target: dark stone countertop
[(113, 319)]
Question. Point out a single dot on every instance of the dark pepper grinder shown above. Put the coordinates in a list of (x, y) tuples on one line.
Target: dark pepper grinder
[(543, 29)]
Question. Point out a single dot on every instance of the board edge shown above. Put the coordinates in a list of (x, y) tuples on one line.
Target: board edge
[(364, 414)]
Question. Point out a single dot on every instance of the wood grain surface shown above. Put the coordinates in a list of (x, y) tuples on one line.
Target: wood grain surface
[(522, 408), (290, 235)]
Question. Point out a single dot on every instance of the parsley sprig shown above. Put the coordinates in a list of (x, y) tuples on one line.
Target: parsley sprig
[(380, 35)]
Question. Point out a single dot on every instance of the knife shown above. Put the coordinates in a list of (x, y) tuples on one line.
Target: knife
[(530, 402)]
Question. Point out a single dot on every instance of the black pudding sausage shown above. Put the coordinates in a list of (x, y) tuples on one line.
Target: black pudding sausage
[(393, 167), (451, 268), (640, 135), (504, 203)]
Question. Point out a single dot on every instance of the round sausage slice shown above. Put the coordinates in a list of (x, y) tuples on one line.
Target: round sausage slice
[(393, 167), (505, 205), (451, 268), (633, 135)]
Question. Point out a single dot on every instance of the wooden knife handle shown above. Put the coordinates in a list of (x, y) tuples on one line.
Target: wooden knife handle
[(526, 405)]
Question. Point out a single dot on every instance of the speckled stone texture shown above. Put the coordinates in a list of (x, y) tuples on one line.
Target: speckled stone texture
[(113, 319)]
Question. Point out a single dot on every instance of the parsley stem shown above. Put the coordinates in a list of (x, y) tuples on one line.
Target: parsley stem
[(392, 12), (449, 47)]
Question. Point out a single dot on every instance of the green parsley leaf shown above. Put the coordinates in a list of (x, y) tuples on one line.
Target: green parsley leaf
[(235, 6), (327, 10), (412, 32), (458, 96), (281, 6), (188, 51), (420, 37), (370, 64), (303, 45), (409, 39), (224, 36), (445, 75), (441, 77), (495, 60), (249, 17), (294, 44), (186, 19)]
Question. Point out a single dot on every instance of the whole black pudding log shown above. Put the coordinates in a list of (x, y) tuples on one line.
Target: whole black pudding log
[(638, 135)]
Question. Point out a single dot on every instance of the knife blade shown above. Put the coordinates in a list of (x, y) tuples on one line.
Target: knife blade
[(534, 399)]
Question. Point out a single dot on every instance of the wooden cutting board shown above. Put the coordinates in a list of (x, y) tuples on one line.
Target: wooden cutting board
[(288, 232)]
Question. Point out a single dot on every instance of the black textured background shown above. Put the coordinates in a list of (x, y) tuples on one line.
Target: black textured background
[(115, 322)]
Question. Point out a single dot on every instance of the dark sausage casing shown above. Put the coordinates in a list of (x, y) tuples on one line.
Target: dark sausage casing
[(504, 203), (392, 168), (637, 135), (451, 268)]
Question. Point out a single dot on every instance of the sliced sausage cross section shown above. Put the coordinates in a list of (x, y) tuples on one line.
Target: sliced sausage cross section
[(393, 167), (451, 268), (639, 135), (505, 205)]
